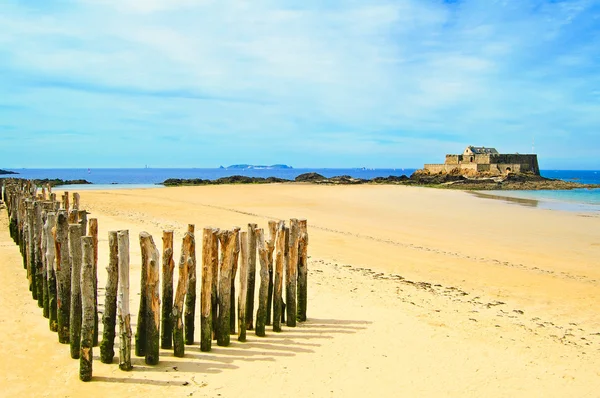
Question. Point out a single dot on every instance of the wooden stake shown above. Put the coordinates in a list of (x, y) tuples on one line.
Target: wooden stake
[(66, 201), (182, 283), (286, 260), (82, 216), (44, 232), (236, 255), (215, 282), (278, 286), (261, 313), (123, 302), (206, 291), (31, 269), (251, 276), (302, 271), (141, 328), (63, 271), (228, 240), (75, 316), (190, 297), (50, 228), (107, 347), (243, 286), (39, 279), (150, 256), (75, 201), (291, 275), (168, 264), (87, 297), (93, 225), (270, 250)]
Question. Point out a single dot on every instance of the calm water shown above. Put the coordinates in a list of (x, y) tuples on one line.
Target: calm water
[(130, 178)]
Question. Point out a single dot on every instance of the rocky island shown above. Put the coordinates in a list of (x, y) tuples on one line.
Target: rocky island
[(7, 172)]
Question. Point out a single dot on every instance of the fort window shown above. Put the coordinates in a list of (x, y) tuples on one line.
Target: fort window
[(471, 159)]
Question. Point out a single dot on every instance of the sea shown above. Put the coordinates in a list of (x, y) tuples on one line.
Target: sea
[(586, 200)]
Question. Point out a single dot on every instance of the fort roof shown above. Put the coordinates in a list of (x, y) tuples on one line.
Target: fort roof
[(480, 150)]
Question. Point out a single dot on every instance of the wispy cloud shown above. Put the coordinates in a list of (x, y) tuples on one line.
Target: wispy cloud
[(341, 83)]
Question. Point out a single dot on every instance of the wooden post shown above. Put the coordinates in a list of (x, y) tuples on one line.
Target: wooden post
[(75, 316), (182, 283), (93, 225), (123, 302), (38, 225), (87, 298), (190, 297), (302, 272), (236, 255), (63, 271), (243, 286), (286, 260), (270, 250), (150, 256), (75, 201), (291, 275), (44, 232), (214, 295), (31, 270), (50, 228), (227, 239), (168, 264), (206, 291), (66, 202), (82, 216), (261, 313), (107, 347), (278, 286), (251, 276), (140, 334)]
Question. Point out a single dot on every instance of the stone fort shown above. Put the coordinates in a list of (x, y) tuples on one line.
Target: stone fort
[(486, 160)]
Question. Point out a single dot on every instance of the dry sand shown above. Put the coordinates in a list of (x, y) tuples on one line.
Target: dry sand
[(412, 292)]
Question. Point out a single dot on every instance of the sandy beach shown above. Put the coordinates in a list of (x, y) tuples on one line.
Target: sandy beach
[(413, 292)]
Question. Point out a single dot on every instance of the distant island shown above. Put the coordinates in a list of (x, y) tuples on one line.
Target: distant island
[(6, 172), (257, 167)]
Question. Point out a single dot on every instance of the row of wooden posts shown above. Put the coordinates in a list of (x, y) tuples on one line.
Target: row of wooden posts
[(59, 246)]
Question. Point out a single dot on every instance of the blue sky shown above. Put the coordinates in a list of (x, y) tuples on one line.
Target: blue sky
[(200, 83)]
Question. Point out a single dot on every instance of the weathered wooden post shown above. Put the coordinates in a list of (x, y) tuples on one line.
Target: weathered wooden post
[(243, 286), (150, 256), (168, 265), (75, 201), (39, 265), (251, 276), (66, 203), (75, 316), (190, 297), (302, 271), (270, 250), (123, 302), (43, 251), (63, 271), (278, 286), (236, 255), (31, 270), (286, 261), (87, 297), (93, 225), (227, 239), (291, 275), (83, 221), (206, 291), (261, 313), (50, 228), (182, 284), (140, 333), (107, 346), (214, 296)]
